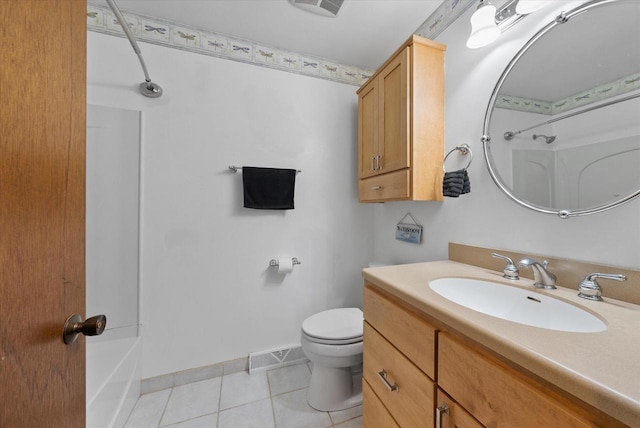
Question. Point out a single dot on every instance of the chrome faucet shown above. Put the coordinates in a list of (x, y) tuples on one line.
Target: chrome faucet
[(510, 271), (541, 276), (589, 287)]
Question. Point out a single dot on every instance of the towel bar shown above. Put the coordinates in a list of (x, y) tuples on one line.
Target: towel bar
[(237, 168)]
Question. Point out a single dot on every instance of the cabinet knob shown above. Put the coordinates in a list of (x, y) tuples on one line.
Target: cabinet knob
[(377, 188)]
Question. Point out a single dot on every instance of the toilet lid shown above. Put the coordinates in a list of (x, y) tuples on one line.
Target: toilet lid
[(334, 324)]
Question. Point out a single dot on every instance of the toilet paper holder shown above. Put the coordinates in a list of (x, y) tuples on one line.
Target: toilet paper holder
[(275, 262)]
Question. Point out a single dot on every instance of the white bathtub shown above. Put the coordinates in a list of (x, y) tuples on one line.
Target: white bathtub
[(113, 381)]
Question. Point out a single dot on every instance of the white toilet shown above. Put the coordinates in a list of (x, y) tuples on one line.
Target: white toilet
[(332, 340)]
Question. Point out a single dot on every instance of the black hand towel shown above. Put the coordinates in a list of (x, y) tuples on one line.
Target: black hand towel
[(452, 184), (456, 183), (466, 185), (268, 188)]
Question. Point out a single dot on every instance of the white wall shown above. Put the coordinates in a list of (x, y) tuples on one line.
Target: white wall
[(208, 294), (486, 217)]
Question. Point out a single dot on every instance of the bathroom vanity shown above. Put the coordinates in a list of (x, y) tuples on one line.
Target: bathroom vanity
[(431, 362)]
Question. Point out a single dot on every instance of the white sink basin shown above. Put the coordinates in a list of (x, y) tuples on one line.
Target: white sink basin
[(517, 305)]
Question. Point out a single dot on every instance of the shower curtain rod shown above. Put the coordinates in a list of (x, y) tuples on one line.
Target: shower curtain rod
[(148, 88), (509, 134)]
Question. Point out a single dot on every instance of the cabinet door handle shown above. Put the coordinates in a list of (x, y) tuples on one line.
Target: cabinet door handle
[(383, 377), (439, 411), (373, 163), (377, 188), (379, 162)]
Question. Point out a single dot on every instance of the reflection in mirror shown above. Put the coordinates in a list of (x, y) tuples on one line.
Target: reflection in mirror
[(564, 119)]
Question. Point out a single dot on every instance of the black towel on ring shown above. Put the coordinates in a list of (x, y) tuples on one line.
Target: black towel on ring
[(453, 183), (466, 185), (268, 188)]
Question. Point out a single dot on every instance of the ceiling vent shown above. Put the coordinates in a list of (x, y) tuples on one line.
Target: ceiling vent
[(320, 7)]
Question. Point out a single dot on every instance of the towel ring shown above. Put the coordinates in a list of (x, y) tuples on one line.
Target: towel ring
[(464, 149)]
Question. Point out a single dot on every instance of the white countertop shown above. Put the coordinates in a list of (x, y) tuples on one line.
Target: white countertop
[(601, 369)]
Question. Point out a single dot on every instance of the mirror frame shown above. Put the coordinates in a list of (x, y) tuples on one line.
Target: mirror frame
[(560, 19)]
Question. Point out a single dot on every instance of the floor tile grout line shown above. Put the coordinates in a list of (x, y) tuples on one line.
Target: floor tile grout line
[(273, 410), (164, 409), (190, 419), (219, 401)]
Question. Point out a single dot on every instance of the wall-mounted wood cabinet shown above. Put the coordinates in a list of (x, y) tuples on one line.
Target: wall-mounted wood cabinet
[(401, 126)]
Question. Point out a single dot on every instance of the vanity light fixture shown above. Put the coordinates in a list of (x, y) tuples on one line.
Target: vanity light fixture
[(484, 29), (524, 7), (487, 23)]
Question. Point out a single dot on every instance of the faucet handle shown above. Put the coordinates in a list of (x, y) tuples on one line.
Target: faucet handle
[(589, 287), (510, 270)]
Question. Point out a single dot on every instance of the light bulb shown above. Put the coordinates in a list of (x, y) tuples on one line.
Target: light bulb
[(483, 26)]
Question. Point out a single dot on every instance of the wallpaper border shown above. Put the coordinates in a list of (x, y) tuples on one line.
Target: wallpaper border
[(174, 35)]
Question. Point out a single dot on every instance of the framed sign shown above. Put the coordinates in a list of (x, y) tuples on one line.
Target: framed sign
[(409, 232)]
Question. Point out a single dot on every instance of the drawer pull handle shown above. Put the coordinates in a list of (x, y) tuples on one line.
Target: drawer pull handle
[(383, 376), (439, 411), (377, 188)]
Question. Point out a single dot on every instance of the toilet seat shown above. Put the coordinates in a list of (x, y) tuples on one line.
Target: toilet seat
[(334, 327), (332, 341)]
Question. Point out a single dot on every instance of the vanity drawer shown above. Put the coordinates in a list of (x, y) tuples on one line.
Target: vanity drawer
[(385, 187), (410, 333), (374, 414), (495, 394), (411, 402)]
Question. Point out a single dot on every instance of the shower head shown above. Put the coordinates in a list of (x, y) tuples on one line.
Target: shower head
[(547, 140)]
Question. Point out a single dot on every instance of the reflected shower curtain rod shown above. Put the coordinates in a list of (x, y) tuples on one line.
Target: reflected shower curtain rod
[(509, 134)]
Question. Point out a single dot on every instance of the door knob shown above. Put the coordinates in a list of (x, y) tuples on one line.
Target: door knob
[(93, 326)]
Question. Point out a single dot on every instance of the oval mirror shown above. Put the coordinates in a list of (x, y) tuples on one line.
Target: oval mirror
[(562, 128)]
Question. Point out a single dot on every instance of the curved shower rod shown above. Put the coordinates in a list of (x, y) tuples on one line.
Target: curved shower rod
[(510, 134), (148, 88)]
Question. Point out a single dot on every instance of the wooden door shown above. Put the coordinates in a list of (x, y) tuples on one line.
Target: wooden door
[(42, 219), (368, 129), (394, 113)]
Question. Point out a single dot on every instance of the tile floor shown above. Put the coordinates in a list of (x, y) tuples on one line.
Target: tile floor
[(272, 399)]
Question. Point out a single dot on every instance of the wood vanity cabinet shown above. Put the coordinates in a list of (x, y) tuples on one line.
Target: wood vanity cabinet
[(401, 126), (398, 365), (411, 367)]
